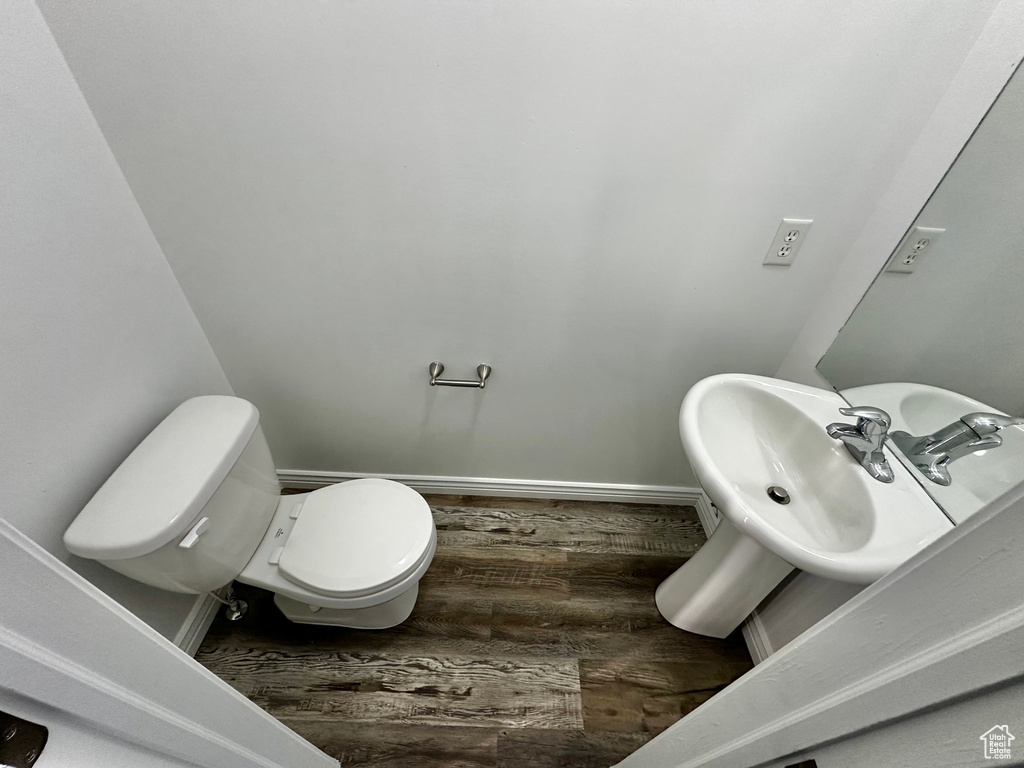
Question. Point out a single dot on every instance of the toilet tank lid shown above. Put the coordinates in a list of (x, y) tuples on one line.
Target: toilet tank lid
[(166, 481)]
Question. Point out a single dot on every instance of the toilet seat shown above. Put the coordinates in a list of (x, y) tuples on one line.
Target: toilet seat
[(357, 538), (263, 569)]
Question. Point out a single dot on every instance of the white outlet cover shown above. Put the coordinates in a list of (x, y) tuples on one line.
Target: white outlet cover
[(789, 238), (918, 241)]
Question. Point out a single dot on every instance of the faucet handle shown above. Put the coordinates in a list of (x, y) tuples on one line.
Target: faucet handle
[(986, 423), (869, 416)]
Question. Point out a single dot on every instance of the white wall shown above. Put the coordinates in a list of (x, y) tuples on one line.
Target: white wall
[(97, 341), (578, 193)]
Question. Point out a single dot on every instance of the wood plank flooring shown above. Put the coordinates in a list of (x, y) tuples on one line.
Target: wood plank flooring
[(535, 642)]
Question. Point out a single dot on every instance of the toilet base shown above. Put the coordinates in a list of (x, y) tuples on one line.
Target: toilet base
[(380, 616)]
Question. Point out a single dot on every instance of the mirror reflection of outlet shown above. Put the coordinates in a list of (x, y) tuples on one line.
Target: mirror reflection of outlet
[(918, 241), (789, 238)]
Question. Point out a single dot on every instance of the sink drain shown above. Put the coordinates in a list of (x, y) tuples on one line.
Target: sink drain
[(778, 494)]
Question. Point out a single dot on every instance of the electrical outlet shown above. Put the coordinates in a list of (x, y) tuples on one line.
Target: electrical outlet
[(789, 238), (917, 243)]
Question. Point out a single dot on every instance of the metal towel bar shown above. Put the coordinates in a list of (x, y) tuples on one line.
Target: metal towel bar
[(436, 369)]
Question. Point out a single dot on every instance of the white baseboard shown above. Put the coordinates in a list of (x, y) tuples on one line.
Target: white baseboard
[(707, 512), (197, 624), (530, 489), (756, 637)]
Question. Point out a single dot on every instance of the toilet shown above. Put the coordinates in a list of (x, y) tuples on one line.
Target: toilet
[(197, 505)]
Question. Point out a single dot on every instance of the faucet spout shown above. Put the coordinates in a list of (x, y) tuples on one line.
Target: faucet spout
[(932, 454)]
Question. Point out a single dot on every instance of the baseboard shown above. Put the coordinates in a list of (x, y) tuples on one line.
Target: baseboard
[(197, 624), (530, 489), (758, 644), (707, 512)]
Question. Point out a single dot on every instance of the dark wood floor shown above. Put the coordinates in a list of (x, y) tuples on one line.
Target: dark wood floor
[(535, 642)]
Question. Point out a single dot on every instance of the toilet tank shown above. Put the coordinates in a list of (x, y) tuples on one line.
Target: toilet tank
[(188, 507)]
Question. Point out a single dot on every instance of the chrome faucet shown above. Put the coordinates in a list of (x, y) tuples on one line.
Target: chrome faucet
[(864, 439), (932, 454)]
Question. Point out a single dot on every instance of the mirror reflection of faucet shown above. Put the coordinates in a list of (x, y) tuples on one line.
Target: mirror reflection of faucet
[(932, 454), (864, 440)]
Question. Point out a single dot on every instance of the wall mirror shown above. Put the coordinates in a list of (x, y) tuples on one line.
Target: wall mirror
[(947, 339)]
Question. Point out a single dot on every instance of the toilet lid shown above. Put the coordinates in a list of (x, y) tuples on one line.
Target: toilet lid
[(357, 537)]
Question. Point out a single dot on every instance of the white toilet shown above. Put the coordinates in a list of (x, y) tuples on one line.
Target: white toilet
[(198, 505)]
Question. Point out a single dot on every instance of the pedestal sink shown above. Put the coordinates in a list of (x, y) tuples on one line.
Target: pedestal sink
[(747, 434)]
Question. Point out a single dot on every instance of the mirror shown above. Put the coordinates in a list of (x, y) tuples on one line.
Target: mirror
[(947, 339)]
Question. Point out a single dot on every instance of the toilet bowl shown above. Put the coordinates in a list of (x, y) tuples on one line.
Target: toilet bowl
[(197, 505), (380, 544)]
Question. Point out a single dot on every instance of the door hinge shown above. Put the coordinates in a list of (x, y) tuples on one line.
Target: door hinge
[(21, 742)]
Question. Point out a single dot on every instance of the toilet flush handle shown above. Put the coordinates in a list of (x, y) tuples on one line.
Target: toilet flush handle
[(193, 536)]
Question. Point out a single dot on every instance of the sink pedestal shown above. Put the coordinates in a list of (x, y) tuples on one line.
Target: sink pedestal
[(716, 589)]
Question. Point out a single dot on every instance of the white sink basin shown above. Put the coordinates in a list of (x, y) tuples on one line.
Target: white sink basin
[(745, 433), (921, 409)]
